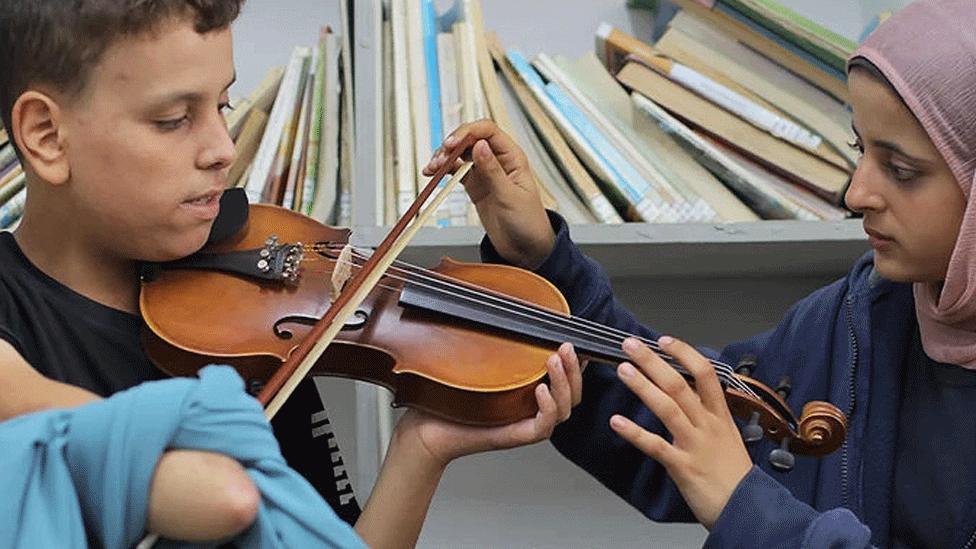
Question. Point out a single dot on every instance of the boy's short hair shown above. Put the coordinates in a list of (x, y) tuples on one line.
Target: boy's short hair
[(58, 42)]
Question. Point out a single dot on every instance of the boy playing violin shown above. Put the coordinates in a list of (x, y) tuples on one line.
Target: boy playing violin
[(115, 109)]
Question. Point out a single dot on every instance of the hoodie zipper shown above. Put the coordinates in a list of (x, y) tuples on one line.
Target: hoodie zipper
[(972, 539), (845, 457)]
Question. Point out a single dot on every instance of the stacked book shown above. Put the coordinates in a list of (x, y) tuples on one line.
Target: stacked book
[(293, 134), (736, 113), (13, 193)]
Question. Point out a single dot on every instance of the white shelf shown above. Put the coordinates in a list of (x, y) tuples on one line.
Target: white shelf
[(764, 248)]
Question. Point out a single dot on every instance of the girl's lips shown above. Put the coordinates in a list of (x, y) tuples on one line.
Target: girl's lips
[(877, 240)]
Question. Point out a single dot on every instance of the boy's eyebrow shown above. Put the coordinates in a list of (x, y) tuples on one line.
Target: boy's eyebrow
[(186, 96)]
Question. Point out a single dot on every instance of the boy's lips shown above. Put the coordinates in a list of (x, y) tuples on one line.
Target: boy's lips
[(204, 206)]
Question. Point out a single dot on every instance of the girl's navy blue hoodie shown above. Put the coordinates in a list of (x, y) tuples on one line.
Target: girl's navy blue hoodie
[(845, 343)]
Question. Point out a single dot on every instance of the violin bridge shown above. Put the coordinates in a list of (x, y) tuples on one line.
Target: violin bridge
[(342, 271)]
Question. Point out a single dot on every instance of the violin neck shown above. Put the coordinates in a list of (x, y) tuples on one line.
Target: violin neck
[(519, 319)]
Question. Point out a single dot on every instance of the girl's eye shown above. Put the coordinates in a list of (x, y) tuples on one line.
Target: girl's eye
[(856, 145), (172, 124), (225, 107), (900, 173)]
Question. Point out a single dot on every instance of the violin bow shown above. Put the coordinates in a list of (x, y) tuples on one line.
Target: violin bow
[(300, 362)]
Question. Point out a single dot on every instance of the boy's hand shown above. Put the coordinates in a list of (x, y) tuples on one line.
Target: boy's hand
[(504, 191), (707, 458), (443, 441)]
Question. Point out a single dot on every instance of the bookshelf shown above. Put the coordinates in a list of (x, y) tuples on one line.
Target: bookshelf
[(756, 249)]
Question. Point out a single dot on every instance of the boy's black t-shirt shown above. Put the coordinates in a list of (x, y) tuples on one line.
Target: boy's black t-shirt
[(69, 338)]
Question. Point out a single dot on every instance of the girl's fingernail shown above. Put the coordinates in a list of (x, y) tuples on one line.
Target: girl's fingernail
[(665, 340), (450, 141), (617, 422), (626, 370), (631, 344)]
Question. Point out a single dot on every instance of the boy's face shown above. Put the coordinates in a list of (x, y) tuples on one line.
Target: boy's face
[(147, 145)]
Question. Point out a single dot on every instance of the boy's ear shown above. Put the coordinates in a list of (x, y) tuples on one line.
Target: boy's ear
[(36, 121)]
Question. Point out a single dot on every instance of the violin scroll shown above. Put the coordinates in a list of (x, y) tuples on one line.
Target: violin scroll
[(820, 430)]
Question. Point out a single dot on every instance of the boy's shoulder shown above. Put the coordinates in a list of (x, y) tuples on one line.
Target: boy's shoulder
[(10, 273), (64, 335)]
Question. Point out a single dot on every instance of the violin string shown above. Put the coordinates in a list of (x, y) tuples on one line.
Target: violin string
[(584, 327), (723, 374), (724, 370), (607, 331)]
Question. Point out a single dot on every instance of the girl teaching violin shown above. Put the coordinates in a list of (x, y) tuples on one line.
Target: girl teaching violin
[(892, 344)]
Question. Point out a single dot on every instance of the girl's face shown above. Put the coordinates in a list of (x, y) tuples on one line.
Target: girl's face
[(912, 205)]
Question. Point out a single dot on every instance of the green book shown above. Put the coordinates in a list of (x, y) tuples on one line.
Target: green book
[(642, 4), (820, 42)]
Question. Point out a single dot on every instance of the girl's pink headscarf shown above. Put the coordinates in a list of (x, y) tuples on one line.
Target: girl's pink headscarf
[(928, 53)]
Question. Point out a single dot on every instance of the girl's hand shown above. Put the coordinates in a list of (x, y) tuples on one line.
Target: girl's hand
[(504, 191), (706, 458)]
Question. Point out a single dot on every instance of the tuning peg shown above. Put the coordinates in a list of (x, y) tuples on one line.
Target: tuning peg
[(752, 432), (746, 365), (781, 458), (784, 387)]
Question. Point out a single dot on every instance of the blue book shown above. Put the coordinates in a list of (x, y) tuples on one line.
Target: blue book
[(13, 208), (629, 184), (428, 17)]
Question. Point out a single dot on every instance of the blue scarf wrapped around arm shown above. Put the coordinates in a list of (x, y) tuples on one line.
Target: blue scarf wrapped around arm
[(82, 475)]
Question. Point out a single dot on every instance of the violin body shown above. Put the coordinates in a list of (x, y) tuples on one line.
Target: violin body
[(441, 365)]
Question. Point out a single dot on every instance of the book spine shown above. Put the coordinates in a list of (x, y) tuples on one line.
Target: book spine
[(645, 199), (13, 208), (281, 112), (693, 209), (744, 108), (7, 155), (315, 132), (293, 194), (766, 201), (829, 47), (834, 68), (545, 127), (406, 185), (590, 156), (429, 25), (12, 186)]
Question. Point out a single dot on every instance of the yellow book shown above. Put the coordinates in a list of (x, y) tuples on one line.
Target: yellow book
[(247, 144)]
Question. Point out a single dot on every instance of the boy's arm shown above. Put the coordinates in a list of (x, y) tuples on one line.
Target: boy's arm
[(423, 446), (194, 496), (396, 509), (27, 391)]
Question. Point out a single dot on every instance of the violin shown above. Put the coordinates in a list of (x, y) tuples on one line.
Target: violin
[(467, 342)]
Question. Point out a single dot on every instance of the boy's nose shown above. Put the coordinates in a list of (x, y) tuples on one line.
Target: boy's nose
[(219, 151)]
